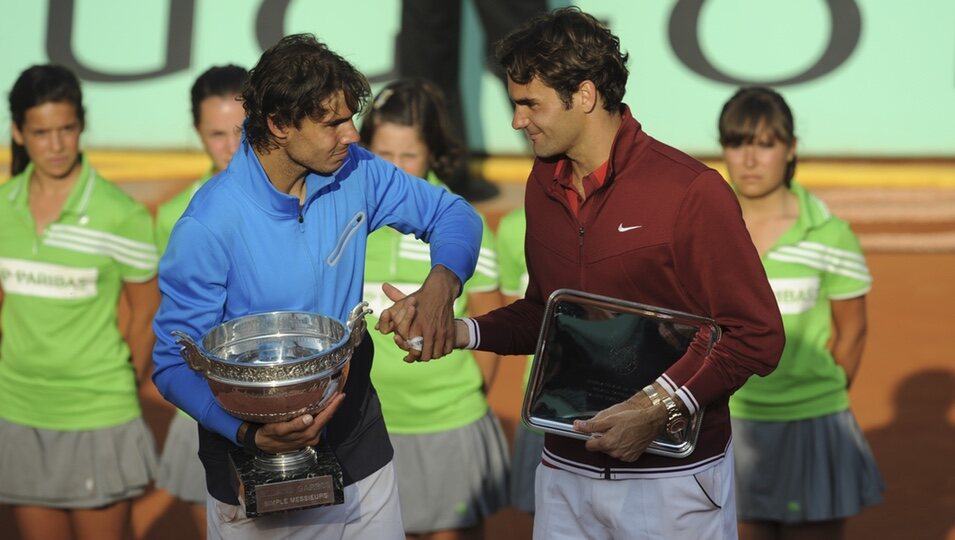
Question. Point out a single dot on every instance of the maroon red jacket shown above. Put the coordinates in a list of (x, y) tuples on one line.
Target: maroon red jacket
[(691, 252)]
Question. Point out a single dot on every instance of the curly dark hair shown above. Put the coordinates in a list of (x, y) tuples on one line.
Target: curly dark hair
[(564, 48), (37, 85), (752, 108), (293, 79), (417, 103)]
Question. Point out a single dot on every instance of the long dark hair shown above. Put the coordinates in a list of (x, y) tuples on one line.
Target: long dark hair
[(217, 81), (38, 85), (751, 108), (294, 79), (417, 103)]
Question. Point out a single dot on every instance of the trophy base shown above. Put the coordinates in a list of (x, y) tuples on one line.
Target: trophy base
[(316, 482)]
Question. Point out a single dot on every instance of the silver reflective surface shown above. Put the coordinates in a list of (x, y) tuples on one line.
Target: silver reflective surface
[(594, 352), (272, 367), (274, 338)]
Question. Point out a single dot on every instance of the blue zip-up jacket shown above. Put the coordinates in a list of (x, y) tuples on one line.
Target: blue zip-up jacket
[(243, 247)]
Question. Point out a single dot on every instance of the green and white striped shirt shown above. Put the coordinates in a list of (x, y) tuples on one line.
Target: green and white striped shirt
[(63, 363)]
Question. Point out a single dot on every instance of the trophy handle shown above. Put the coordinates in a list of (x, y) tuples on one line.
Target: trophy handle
[(191, 353), (356, 323)]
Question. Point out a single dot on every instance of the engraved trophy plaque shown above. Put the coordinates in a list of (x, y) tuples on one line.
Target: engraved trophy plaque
[(595, 351), (272, 367)]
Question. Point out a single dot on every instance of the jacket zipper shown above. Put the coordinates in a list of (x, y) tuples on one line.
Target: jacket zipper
[(580, 255), (580, 232), (346, 235)]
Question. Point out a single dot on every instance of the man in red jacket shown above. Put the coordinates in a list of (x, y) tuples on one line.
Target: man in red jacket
[(612, 211)]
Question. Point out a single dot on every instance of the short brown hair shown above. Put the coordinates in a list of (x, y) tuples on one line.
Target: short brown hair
[(294, 79), (564, 48)]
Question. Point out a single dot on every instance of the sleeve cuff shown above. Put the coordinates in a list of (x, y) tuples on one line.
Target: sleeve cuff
[(457, 261), (223, 423), (474, 333), (692, 405)]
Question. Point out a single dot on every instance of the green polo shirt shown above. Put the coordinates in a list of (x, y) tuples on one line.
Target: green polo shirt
[(510, 253), (63, 363), (423, 397), (170, 211), (814, 262)]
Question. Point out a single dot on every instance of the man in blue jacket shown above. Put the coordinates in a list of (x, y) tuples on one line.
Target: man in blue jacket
[(284, 228)]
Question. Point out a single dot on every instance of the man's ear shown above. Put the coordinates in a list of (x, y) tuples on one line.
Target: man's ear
[(279, 133), (587, 94), (16, 134)]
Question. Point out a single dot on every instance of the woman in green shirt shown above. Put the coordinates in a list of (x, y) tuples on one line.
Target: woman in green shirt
[(802, 463), (74, 450)]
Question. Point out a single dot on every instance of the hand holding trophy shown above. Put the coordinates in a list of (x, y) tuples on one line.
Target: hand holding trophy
[(282, 372)]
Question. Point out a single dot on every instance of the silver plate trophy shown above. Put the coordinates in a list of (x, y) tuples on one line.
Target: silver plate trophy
[(272, 367), (595, 351)]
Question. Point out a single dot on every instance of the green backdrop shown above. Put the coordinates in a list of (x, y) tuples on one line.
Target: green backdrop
[(865, 78)]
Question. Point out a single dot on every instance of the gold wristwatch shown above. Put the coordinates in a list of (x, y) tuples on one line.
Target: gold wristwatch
[(676, 422)]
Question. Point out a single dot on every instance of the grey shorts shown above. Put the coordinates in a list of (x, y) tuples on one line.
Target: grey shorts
[(74, 469), (808, 470), (180, 471), (451, 479), (528, 447)]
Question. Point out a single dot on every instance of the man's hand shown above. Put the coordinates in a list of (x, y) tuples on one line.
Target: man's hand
[(298, 432), (428, 314), (624, 430)]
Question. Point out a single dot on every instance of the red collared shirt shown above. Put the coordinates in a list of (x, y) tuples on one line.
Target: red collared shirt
[(564, 174)]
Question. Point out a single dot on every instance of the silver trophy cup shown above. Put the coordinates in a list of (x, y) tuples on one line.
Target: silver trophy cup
[(272, 367)]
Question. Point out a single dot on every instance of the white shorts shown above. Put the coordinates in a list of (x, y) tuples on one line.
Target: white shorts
[(370, 510), (702, 505)]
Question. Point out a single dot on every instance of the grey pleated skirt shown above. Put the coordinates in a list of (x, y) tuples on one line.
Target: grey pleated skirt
[(180, 471), (528, 447), (74, 469), (809, 470), (451, 479)]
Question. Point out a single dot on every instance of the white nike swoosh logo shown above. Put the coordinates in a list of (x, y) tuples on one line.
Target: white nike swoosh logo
[(621, 228)]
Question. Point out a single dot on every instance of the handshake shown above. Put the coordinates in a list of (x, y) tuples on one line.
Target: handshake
[(423, 322)]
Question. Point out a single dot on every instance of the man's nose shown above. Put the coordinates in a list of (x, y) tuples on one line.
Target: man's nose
[(349, 133), (519, 121)]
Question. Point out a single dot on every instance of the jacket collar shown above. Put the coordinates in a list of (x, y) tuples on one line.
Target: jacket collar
[(247, 172), (628, 144)]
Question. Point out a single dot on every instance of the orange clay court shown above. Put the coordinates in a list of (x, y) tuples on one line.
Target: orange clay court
[(903, 397)]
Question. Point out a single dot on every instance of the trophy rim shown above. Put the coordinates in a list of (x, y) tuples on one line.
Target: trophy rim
[(277, 384), (201, 343)]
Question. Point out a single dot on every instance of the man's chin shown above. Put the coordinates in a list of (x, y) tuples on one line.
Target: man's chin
[(545, 153), (329, 168)]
